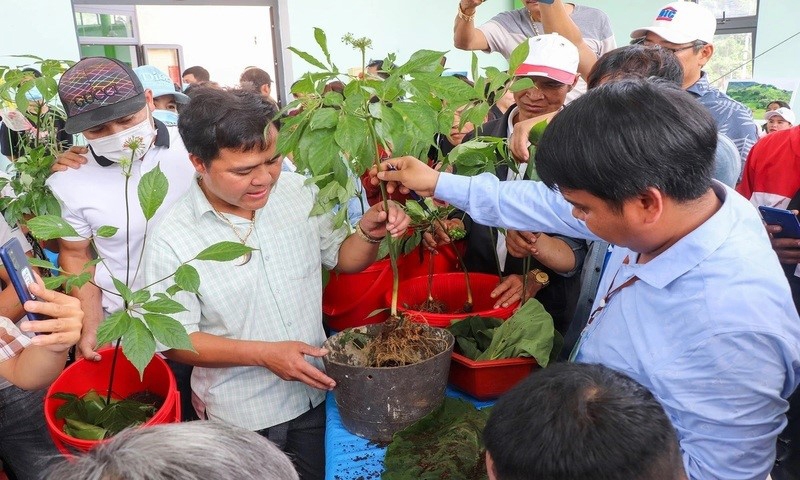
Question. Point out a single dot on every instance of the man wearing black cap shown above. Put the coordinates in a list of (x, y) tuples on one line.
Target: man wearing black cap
[(105, 101)]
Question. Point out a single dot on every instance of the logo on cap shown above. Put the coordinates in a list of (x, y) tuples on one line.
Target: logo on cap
[(667, 14)]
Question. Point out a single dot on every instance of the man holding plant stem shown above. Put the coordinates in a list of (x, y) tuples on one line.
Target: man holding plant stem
[(256, 323)]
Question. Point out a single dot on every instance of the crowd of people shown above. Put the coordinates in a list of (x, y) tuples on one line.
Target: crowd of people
[(679, 306)]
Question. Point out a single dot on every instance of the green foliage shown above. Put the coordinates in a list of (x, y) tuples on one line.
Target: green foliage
[(152, 191), (756, 96), (92, 418)]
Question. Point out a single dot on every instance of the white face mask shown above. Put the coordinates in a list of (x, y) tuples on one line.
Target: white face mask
[(112, 148), (167, 117)]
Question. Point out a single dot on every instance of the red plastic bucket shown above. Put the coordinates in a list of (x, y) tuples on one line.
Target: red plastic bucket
[(451, 289), (349, 297), (83, 375), (412, 264)]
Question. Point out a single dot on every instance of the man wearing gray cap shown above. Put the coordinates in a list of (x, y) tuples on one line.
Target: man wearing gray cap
[(105, 101)]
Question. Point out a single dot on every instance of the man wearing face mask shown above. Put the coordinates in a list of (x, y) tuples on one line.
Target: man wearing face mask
[(105, 101)]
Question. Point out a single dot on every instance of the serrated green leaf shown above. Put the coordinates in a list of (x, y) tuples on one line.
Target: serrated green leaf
[(106, 231), (474, 67), (318, 150), (48, 227), (123, 289), (324, 118), (174, 289), (38, 262), (350, 135), (139, 297), (163, 305), (322, 41), (168, 331), (138, 345), (152, 191), (224, 252), (54, 283), (308, 58), (421, 61), (77, 281), (518, 55), (113, 327), (187, 278), (415, 211), (535, 135)]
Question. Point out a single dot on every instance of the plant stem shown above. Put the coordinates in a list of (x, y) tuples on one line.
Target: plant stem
[(460, 262), (113, 367), (430, 275), (495, 239), (526, 266)]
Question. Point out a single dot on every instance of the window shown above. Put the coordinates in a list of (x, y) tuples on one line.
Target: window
[(108, 31), (734, 42)]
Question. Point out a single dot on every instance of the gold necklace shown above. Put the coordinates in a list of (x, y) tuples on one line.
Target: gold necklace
[(533, 24), (247, 256)]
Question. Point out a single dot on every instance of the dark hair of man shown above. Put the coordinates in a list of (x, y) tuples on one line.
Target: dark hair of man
[(215, 119), (256, 77), (626, 136), (199, 73), (574, 421), (636, 60), (781, 103)]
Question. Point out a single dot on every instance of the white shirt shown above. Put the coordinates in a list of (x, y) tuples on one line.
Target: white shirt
[(93, 196)]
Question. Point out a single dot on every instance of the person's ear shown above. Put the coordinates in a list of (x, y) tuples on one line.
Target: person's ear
[(198, 164), (649, 205), (265, 89), (490, 467), (705, 54), (148, 98)]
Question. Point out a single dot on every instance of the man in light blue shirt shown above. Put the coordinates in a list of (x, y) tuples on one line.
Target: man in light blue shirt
[(693, 303)]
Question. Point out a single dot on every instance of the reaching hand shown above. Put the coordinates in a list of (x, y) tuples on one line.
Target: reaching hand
[(521, 244), (72, 158), (518, 142), (287, 361), (440, 236), (376, 225), (63, 329), (406, 174), (510, 290)]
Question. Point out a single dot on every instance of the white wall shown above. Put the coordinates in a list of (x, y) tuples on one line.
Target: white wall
[(224, 40), (398, 27), (45, 28)]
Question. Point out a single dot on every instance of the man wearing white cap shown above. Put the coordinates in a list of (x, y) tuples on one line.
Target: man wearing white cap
[(780, 119), (687, 29), (506, 30)]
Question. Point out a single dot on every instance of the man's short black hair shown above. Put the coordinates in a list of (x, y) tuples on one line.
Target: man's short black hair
[(574, 421), (255, 77), (215, 119), (199, 73), (626, 136), (636, 61)]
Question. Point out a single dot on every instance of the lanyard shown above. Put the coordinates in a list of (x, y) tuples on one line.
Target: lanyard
[(602, 304)]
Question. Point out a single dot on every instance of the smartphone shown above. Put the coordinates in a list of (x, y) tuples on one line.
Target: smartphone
[(790, 226), (20, 272)]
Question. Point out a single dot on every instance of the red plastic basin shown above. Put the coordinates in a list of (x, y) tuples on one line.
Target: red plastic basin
[(488, 379), (451, 289), (349, 297)]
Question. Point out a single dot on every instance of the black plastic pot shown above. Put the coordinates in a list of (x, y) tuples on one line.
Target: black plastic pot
[(375, 403)]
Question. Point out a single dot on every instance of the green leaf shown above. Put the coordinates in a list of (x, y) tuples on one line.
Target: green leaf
[(139, 297), (518, 55), (38, 262), (77, 281), (224, 252), (168, 331), (152, 191), (350, 135), (48, 227), (107, 231), (308, 58), (521, 84), (324, 118), (174, 289), (113, 327), (163, 305), (535, 135), (474, 67), (421, 61), (318, 149), (54, 283), (123, 289), (322, 41), (123, 414), (415, 211), (84, 430), (187, 278), (138, 345)]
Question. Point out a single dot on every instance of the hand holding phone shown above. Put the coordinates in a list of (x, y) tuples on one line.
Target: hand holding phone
[(20, 272), (790, 226)]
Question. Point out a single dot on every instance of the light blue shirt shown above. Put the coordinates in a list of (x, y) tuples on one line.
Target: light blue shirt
[(709, 327)]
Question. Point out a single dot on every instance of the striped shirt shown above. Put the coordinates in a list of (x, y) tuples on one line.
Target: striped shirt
[(276, 296), (12, 340)]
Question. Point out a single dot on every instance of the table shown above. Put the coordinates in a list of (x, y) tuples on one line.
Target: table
[(350, 457)]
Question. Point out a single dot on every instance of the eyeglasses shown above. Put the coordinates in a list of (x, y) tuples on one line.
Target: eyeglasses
[(648, 43)]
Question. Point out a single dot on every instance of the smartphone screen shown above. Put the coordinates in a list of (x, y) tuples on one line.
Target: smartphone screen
[(19, 271)]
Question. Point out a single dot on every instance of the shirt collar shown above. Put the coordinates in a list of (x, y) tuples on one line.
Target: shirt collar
[(701, 86), (200, 204), (695, 247)]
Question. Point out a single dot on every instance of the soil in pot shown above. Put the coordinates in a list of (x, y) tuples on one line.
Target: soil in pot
[(376, 401)]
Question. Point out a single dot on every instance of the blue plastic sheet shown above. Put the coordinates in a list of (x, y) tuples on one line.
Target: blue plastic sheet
[(350, 457)]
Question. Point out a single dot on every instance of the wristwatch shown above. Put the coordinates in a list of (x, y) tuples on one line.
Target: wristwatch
[(540, 277)]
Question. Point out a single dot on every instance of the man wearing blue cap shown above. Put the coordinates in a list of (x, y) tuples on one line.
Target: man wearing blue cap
[(166, 97)]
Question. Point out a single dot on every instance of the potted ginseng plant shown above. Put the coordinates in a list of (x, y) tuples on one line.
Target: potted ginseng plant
[(92, 401), (389, 374)]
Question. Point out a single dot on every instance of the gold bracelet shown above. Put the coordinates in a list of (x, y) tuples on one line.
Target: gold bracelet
[(366, 237), (464, 16)]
